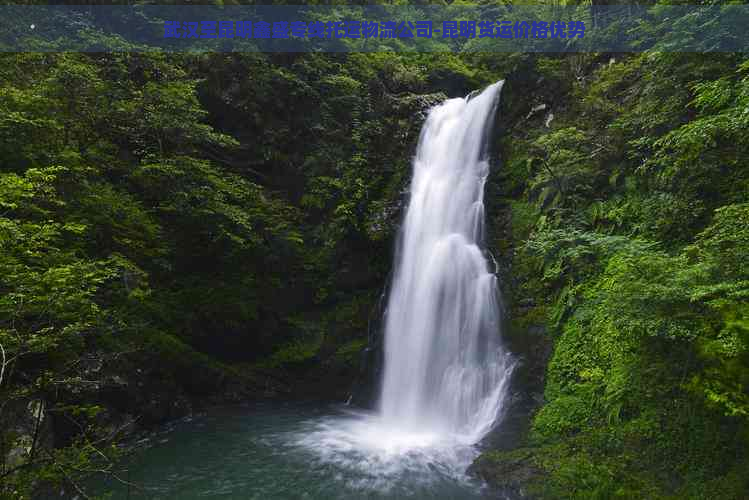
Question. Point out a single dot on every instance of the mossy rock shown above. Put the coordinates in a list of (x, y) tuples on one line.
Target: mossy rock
[(516, 472)]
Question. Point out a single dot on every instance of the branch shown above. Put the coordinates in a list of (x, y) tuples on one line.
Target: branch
[(70, 480), (557, 181), (2, 367), (108, 472)]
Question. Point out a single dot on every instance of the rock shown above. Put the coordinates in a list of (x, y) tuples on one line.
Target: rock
[(118, 426), (513, 473), (383, 220), (355, 272), (163, 405), (29, 428), (549, 118), (535, 109), (415, 104)]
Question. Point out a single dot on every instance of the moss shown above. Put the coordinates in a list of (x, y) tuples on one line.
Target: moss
[(518, 471), (349, 353), (295, 352), (526, 318)]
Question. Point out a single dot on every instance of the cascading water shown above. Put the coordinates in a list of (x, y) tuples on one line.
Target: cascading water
[(445, 374), (444, 368)]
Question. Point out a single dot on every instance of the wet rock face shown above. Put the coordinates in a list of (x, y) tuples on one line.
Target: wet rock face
[(419, 104), (512, 474), (383, 220)]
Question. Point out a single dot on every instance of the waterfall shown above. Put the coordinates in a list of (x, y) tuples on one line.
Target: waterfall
[(445, 370), (446, 374)]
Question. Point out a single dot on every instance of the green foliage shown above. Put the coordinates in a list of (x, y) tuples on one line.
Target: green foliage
[(348, 353), (298, 351), (50, 308), (109, 210), (637, 257)]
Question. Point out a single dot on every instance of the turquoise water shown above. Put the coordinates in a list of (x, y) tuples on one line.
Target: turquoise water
[(295, 451)]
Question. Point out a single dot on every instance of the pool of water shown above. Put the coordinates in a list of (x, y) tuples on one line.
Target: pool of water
[(289, 451)]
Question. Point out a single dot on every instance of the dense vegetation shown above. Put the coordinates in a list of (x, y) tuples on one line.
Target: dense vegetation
[(629, 219), (180, 230)]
